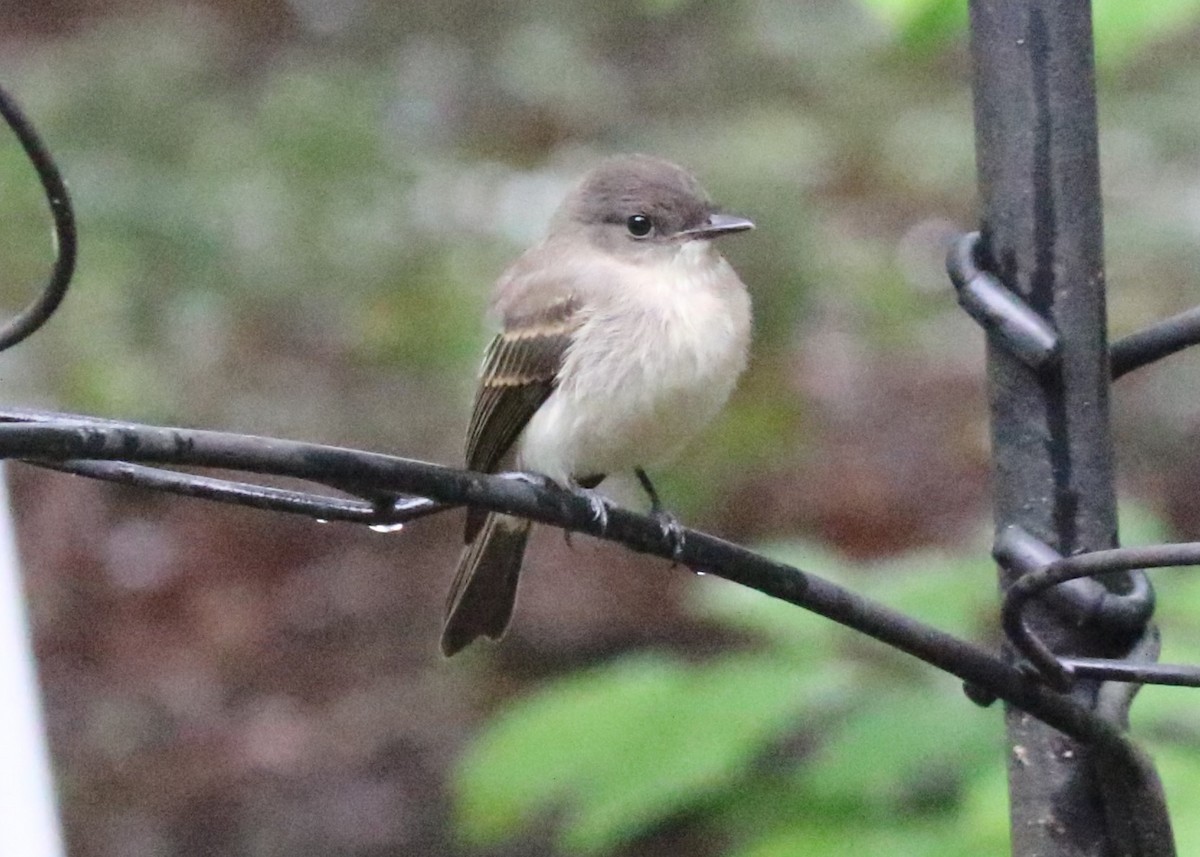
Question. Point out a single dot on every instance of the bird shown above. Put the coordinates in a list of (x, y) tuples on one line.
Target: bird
[(623, 332)]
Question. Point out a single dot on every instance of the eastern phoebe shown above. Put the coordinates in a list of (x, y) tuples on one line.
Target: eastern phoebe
[(624, 332)]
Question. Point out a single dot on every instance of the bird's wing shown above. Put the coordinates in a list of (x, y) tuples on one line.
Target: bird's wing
[(520, 371)]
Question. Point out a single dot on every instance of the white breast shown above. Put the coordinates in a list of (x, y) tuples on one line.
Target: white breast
[(646, 370)]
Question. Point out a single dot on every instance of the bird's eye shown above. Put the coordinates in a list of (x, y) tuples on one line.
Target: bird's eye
[(639, 225)]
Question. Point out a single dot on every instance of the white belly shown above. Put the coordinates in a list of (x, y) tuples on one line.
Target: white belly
[(642, 377)]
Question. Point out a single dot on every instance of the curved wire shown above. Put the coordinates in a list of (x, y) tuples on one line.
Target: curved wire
[(996, 308), (1060, 672), (65, 240)]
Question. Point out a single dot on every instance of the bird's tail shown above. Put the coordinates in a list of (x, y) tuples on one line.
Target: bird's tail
[(484, 590)]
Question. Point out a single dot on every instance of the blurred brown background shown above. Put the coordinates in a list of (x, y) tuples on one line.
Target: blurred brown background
[(291, 212)]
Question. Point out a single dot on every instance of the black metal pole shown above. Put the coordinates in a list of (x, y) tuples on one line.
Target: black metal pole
[(1041, 236)]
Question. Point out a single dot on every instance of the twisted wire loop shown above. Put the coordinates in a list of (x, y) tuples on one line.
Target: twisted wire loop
[(63, 216), (1042, 568)]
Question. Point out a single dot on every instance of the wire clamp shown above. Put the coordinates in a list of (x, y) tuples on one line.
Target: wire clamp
[(1010, 321)]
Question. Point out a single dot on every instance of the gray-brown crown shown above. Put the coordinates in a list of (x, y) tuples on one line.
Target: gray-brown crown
[(621, 187)]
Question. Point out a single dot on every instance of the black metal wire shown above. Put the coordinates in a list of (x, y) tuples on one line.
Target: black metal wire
[(1160, 340), (1105, 669), (107, 449), (75, 440), (265, 497), (379, 510), (63, 216)]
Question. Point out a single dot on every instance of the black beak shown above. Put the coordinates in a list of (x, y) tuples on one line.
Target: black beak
[(718, 225)]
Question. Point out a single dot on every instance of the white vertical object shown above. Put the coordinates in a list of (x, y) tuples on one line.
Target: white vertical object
[(29, 823)]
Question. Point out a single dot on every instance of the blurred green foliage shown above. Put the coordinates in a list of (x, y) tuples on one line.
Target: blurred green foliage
[(808, 741)]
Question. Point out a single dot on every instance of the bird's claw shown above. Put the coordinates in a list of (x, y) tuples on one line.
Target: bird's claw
[(598, 505), (672, 531)]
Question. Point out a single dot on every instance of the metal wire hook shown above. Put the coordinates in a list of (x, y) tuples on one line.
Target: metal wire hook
[(65, 238)]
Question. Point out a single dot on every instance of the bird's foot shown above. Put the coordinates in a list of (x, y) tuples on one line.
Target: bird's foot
[(672, 531), (597, 503), (668, 524)]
